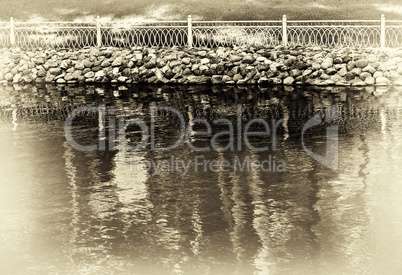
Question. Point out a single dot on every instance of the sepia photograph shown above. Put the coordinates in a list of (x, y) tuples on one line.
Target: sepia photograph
[(162, 137)]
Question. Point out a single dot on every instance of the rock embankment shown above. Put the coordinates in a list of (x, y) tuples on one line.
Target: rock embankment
[(308, 66)]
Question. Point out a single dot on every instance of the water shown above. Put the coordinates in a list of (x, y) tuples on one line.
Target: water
[(65, 211)]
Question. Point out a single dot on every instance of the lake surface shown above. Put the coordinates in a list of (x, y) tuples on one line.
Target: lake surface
[(114, 211)]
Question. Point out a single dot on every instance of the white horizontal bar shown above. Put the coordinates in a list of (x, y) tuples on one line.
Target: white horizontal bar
[(234, 27), (245, 21), (335, 26), (335, 21)]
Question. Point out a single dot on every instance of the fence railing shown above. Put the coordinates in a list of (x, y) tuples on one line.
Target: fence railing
[(335, 33)]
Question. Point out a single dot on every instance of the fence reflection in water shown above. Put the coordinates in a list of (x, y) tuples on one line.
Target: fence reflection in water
[(86, 212)]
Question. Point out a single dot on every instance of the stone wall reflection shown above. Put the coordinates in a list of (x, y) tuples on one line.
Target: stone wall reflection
[(123, 217)]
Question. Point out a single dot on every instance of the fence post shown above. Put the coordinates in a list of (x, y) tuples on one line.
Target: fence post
[(190, 31), (98, 33), (284, 31), (12, 34), (382, 31)]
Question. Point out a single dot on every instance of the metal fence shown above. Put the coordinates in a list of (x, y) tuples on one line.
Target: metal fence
[(335, 33)]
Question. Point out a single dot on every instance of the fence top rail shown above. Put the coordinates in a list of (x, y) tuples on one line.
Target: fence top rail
[(54, 22), (239, 21), (335, 26), (335, 21), (144, 22), (194, 22)]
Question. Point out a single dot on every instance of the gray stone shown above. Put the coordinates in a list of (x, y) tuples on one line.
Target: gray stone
[(307, 72), (237, 77), (327, 63), (372, 58), (216, 79), (288, 80), (369, 80), (158, 74), (60, 80), (192, 79), (324, 76), (328, 82), (202, 53), (349, 76), (53, 64), (361, 63), (100, 74), (378, 74), (117, 62), (89, 75), (122, 79), (41, 72), (203, 68), (105, 63), (351, 65), (276, 81), (235, 58), (55, 71), (382, 81), (338, 60), (369, 69), (226, 79), (336, 78), (399, 69), (26, 79), (8, 77), (150, 64), (17, 78), (364, 75), (331, 71), (49, 78), (300, 65), (186, 60), (339, 66), (243, 81), (77, 74), (357, 82), (343, 72), (115, 71), (39, 61), (316, 66), (295, 73), (356, 71), (288, 62), (174, 63), (392, 75), (88, 64), (130, 64), (68, 77), (59, 76), (204, 61), (263, 81), (65, 64)]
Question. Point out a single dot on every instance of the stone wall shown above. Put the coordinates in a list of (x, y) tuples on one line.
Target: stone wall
[(309, 66)]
